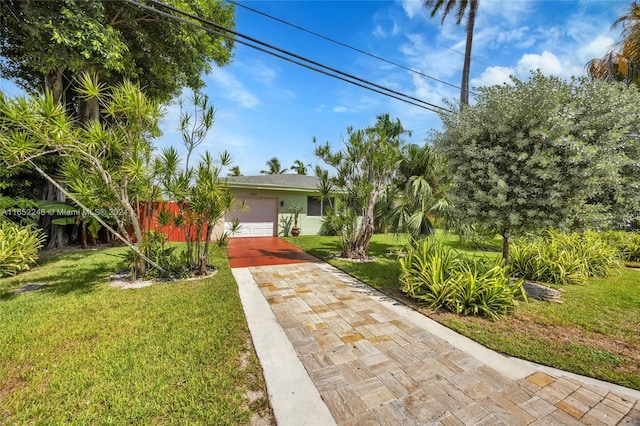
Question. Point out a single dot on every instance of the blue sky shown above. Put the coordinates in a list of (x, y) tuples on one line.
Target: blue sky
[(266, 107)]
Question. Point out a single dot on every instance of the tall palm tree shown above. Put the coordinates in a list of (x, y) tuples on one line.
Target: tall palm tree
[(274, 167), (299, 167), (623, 61), (463, 7)]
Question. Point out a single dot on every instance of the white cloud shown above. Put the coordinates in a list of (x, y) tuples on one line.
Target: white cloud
[(233, 89), (520, 37), (492, 76), (381, 32), (424, 56), (340, 109), (597, 48), (547, 63), (510, 13), (413, 8)]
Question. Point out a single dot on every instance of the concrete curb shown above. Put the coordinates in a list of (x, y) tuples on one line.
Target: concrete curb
[(293, 396)]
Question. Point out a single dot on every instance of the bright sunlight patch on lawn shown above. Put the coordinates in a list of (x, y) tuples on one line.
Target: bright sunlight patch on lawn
[(79, 351)]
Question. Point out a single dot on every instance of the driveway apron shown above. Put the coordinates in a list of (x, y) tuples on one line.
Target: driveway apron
[(375, 361)]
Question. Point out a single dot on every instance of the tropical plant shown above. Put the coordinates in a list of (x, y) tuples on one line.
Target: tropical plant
[(234, 171), (273, 167), (427, 273), (364, 168), (554, 257), (622, 62), (463, 7), (19, 246), (196, 119), (47, 45), (627, 244), (485, 288), (154, 247), (202, 196), (295, 213), (443, 279), (420, 183), (299, 167), (201, 193), (105, 162)]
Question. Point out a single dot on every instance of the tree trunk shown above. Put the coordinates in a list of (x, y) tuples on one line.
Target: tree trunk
[(505, 246), (55, 233), (56, 236), (466, 68), (89, 110), (83, 234), (53, 83), (358, 249)]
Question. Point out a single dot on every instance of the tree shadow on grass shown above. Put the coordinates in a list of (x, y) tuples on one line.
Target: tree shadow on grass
[(63, 273)]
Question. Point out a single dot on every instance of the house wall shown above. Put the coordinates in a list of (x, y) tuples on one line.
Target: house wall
[(309, 225)]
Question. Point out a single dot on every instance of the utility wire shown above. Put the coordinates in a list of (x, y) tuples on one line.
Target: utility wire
[(364, 52), (300, 60), (254, 40)]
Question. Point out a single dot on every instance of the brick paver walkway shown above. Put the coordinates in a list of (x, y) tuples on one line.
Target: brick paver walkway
[(373, 366)]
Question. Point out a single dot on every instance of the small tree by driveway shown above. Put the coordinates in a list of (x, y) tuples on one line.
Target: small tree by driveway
[(364, 168)]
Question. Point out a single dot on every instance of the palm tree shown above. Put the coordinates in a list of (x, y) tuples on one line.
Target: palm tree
[(623, 61), (234, 171), (274, 167), (417, 191), (299, 167), (462, 6)]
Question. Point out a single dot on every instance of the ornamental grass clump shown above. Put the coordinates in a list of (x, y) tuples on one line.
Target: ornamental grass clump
[(19, 246), (444, 279), (627, 244), (558, 258)]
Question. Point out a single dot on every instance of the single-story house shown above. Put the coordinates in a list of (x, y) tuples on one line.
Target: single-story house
[(269, 198)]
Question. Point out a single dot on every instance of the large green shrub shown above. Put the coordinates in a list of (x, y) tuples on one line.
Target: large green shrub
[(442, 278), (19, 247), (559, 258)]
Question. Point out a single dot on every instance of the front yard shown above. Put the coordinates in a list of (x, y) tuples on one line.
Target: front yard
[(593, 333), (81, 352)]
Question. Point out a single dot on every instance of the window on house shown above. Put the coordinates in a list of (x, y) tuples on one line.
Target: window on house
[(317, 206)]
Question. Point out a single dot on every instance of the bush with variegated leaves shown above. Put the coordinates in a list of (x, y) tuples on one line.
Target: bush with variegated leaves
[(444, 279), (19, 246), (559, 258)]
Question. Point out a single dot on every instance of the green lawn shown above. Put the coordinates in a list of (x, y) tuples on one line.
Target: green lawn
[(595, 332), (81, 352)]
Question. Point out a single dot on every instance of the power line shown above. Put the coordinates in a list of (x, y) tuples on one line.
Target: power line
[(286, 55), (355, 49), (299, 57)]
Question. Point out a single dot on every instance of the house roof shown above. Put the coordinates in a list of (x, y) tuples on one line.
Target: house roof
[(277, 182)]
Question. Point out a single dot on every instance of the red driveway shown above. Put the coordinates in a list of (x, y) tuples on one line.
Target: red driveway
[(263, 251)]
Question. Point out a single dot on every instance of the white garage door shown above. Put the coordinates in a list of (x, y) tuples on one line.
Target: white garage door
[(259, 220)]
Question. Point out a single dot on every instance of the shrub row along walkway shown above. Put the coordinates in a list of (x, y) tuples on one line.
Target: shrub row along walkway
[(373, 361)]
